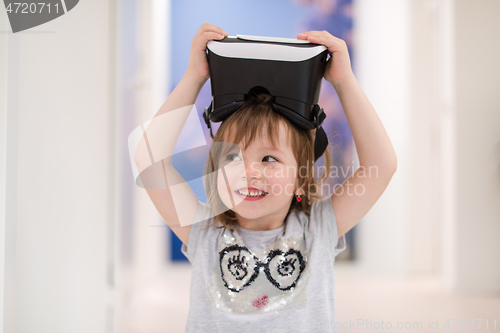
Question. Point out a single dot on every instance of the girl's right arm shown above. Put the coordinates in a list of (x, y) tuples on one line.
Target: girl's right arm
[(161, 136)]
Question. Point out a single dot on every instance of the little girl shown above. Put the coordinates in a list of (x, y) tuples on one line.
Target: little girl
[(265, 264)]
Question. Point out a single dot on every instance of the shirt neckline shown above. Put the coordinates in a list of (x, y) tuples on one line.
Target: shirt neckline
[(262, 233)]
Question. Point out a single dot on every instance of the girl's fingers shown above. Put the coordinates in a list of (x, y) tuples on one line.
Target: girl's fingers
[(213, 27), (210, 27), (210, 35), (304, 35), (205, 37), (322, 37), (316, 34), (330, 43)]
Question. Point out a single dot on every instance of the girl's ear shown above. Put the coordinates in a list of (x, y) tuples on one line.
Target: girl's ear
[(299, 191)]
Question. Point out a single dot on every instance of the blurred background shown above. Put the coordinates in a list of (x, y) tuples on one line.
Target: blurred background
[(83, 249)]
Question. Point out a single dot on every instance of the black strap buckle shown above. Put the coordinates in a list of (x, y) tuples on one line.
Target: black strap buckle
[(206, 116), (319, 115)]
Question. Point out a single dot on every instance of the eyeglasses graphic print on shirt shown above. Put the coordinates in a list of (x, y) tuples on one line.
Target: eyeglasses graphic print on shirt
[(240, 267)]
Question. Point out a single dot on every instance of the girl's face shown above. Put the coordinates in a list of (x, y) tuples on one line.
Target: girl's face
[(261, 182)]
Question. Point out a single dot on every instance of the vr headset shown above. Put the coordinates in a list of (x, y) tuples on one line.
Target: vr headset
[(288, 69)]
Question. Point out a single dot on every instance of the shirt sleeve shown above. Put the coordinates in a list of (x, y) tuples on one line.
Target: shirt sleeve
[(202, 219), (323, 224)]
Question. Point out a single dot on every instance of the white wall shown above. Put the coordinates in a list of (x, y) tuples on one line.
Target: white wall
[(431, 70), (475, 209), (147, 281), (382, 31), (60, 171), (3, 152), (7, 185), (423, 148)]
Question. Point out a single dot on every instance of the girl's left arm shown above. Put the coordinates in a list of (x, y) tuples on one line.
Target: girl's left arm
[(358, 193)]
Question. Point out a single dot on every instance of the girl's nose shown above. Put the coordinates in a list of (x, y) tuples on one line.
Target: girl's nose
[(252, 170)]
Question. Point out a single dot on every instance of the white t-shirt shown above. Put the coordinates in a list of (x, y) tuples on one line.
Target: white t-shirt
[(277, 280)]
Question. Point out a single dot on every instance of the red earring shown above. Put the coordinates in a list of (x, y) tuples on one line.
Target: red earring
[(299, 198)]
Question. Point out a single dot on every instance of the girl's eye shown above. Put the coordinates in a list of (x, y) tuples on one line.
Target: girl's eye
[(232, 157), (272, 158)]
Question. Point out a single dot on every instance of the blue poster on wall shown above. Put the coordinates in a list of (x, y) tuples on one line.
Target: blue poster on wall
[(282, 18)]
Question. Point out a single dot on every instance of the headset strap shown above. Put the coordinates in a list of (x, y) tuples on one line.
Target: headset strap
[(320, 143), (206, 116)]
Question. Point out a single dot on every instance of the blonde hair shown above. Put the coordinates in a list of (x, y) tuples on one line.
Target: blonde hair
[(249, 122)]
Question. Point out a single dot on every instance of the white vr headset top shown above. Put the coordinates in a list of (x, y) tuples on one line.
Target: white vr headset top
[(290, 70)]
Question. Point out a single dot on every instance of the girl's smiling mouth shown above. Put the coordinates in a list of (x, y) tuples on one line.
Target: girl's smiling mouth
[(251, 194)]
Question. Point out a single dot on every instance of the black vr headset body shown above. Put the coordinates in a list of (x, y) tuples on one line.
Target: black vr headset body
[(290, 70)]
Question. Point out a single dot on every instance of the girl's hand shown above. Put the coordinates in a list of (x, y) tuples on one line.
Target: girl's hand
[(338, 68), (198, 64)]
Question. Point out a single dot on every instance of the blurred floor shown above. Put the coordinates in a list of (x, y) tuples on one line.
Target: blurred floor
[(411, 300), (163, 307)]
